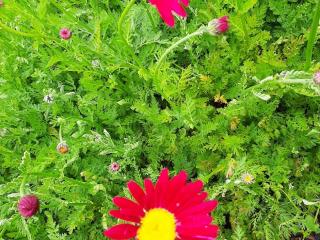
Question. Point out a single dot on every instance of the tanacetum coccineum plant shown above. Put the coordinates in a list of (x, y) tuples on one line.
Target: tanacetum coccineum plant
[(168, 210), (229, 95)]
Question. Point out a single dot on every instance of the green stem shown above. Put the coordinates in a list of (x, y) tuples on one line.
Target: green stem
[(150, 17), (316, 216), (8, 29), (288, 81), (124, 14), (295, 81), (23, 182), (290, 200), (312, 37), (120, 23), (200, 31), (26, 228), (60, 133)]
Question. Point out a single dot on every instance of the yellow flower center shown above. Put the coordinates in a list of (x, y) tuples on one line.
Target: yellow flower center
[(157, 224), (248, 179)]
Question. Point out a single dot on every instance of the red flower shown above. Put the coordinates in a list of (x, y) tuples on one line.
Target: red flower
[(219, 25), (168, 210), (167, 7), (28, 206)]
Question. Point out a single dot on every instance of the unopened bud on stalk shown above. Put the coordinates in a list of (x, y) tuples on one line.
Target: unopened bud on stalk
[(28, 206), (219, 25), (62, 148)]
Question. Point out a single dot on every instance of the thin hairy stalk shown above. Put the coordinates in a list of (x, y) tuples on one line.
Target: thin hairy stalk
[(60, 133), (200, 31)]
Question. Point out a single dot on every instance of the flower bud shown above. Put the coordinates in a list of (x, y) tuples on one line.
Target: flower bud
[(62, 148), (219, 25), (65, 33), (28, 206)]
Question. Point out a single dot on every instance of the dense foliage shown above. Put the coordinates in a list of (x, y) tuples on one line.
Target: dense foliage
[(206, 110)]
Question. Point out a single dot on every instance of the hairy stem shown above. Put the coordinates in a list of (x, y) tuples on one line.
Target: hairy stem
[(60, 133), (26, 228), (124, 14), (312, 37), (8, 29), (200, 31), (120, 23)]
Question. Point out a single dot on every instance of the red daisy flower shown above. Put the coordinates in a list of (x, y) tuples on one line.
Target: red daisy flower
[(168, 210), (167, 7)]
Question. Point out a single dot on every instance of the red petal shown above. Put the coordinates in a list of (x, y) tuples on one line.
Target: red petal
[(206, 232), (122, 214), (136, 191), (121, 231), (165, 11), (203, 208), (176, 183), (195, 221), (199, 238), (124, 203), (161, 189), (185, 2), (184, 194), (179, 9), (193, 201), (150, 194)]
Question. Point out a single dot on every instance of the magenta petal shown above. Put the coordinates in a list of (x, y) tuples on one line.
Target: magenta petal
[(196, 220), (185, 193), (167, 7), (122, 214), (204, 232), (176, 7), (203, 208), (121, 231), (185, 2), (192, 201), (136, 191), (161, 189), (166, 15), (124, 203), (150, 194)]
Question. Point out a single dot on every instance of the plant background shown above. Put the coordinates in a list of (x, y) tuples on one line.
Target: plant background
[(198, 113)]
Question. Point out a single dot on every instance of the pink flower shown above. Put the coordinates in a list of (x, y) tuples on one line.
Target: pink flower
[(219, 25), (167, 7), (65, 33), (28, 206), (114, 167), (316, 78), (172, 208)]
